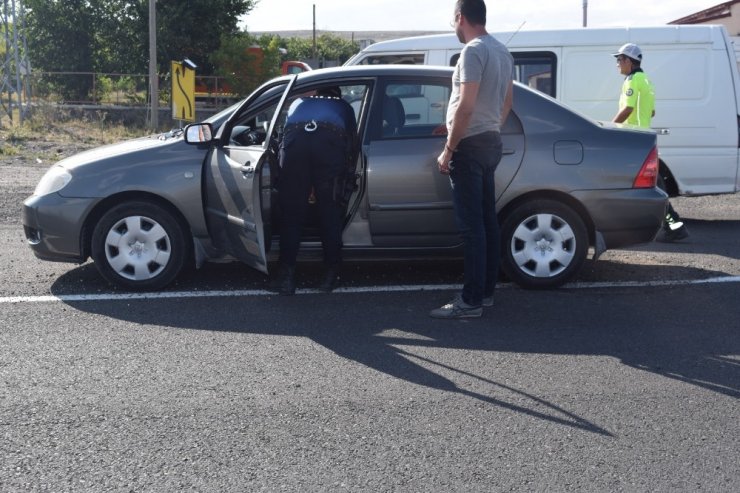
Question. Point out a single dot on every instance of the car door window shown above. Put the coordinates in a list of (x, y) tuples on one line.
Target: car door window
[(250, 128), (413, 110)]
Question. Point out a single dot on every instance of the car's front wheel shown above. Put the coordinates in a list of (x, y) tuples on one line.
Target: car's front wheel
[(544, 244), (139, 246)]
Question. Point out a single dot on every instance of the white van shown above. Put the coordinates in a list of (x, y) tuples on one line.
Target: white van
[(693, 69)]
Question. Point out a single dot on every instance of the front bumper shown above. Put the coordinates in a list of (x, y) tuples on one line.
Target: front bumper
[(53, 226)]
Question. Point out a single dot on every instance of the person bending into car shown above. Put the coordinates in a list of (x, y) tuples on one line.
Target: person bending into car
[(314, 154), (480, 101), (637, 107)]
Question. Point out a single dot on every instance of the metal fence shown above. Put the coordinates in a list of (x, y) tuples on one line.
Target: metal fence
[(118, 89), (119, 97)]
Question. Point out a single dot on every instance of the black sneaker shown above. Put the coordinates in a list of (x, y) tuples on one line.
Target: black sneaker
[(457, 308), (671, 235)]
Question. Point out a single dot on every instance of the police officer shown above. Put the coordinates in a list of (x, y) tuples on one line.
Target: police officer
[(637, 107), (317, 145)]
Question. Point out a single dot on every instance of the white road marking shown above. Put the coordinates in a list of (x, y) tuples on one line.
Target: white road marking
[(348, 290)]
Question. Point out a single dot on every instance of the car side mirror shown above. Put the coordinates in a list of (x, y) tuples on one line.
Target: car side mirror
[(199, 133)]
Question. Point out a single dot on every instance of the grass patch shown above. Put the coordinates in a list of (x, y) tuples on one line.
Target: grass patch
[(55, 126), (50, 134), (8, 150)]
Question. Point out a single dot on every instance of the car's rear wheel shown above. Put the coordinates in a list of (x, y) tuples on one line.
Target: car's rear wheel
[(544, 244), (139, 246)]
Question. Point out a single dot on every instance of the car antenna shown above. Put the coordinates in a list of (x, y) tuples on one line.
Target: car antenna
[(515, 33)]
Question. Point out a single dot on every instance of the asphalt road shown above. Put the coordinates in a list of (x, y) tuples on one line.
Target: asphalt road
[(627, 380)]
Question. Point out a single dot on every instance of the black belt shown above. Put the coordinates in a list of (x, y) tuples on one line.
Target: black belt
[(313, 125)]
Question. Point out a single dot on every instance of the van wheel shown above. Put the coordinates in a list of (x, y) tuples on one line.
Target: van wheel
[(139, 246), (544, 244)]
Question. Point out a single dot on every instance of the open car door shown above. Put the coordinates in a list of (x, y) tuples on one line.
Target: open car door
[(238, 178)]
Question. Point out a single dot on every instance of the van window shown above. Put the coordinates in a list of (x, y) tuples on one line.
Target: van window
[(534, 69), (413, 110), (397, 59)]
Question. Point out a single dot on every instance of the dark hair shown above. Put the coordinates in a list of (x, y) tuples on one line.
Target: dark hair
[(473, 10), (330, 92)]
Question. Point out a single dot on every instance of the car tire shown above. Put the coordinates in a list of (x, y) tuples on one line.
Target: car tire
[(544, 244), (139, 246)]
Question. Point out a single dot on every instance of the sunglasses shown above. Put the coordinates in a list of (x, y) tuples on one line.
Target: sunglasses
[(454, 21)]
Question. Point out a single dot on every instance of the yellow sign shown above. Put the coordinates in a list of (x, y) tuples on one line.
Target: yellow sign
[(183, 92)]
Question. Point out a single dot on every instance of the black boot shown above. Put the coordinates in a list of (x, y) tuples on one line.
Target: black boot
[(671, 235), (284, 282), (331, 276)]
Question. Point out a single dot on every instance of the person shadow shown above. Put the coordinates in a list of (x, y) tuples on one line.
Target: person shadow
[(392, 334)]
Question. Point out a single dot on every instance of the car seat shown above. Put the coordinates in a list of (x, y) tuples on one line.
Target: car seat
[(394, 116)]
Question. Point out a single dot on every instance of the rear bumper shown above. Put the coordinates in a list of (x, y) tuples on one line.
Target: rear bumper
[(625, 217), (52, 225)]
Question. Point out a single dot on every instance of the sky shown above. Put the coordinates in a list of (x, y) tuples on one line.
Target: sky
[(435, 15)]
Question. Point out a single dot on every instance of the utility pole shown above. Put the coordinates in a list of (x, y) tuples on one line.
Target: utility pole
[(585, 13), (153, 77), (315, 56), (15, 65)]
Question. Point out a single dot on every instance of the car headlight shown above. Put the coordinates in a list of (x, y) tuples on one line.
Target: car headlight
[(54, 180)]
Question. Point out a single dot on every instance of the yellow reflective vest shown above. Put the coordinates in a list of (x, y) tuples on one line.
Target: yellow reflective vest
[(638, 93)]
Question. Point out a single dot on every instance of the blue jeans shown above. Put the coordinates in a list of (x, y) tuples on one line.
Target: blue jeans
[(474, 197)]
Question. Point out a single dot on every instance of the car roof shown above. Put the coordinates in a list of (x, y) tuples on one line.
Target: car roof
[(359, 71)]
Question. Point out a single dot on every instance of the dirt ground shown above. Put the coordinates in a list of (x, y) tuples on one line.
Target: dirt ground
[(29, 149)]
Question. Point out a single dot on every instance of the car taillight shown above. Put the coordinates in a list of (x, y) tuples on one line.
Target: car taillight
[(648, 175)]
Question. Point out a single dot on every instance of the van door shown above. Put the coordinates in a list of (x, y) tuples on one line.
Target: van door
[(238, 177), (696, 116)]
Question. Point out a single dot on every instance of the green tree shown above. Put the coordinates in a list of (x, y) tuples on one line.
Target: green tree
[(113, 35), (246, 61), (328, 47), (194, 28), (60, 38)]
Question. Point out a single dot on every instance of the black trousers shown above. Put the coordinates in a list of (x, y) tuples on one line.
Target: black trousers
[(310, 160)]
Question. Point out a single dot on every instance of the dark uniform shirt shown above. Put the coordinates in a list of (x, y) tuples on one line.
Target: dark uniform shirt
[(333, 111)]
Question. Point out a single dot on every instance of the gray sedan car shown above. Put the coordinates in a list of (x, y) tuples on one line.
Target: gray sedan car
[(147, 208)]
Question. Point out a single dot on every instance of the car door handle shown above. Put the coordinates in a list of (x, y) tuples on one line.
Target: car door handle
[(662, 131), (247, 170), (508, 152)]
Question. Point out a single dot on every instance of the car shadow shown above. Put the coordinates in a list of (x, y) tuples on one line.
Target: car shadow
[(238, 276), (393, 335), (712, 237)]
